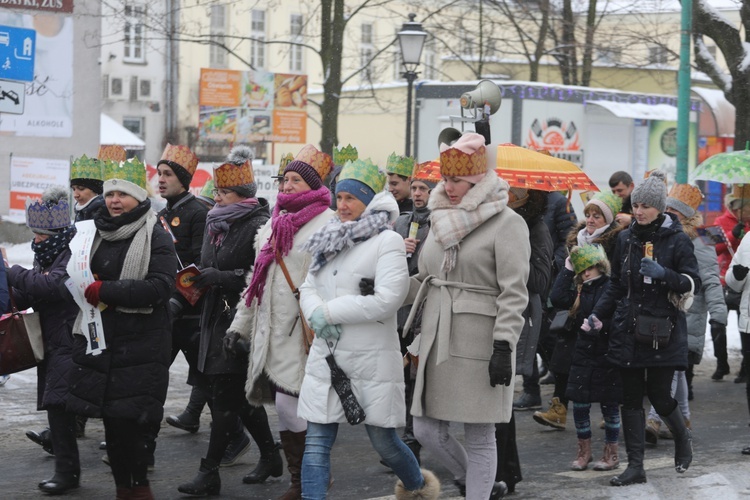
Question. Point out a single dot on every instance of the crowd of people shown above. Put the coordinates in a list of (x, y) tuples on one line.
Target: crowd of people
[(468, 282)]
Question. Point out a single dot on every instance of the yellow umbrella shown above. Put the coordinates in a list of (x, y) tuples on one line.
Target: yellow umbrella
[(528, 169)]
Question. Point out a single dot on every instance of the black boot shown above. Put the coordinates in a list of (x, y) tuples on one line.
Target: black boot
[(720, 351), (43, 439), (190, 419), (633, 426), (683, 440), (206, 482), (270, 465), (745, 341), (60, 483)]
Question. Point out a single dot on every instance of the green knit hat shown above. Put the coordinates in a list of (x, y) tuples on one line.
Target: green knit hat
[(400, 165), (364, 171), (609, 203), (128, 177), (586, 256), (345, 154)]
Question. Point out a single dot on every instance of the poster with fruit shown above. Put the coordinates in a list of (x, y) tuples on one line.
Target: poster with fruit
[(257, 89), (290, 91)]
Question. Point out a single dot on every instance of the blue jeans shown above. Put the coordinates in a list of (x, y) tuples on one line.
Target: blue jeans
[(316, 462)]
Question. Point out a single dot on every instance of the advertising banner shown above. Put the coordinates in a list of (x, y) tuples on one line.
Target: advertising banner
[(252, 106), (29, 177), (48, 111)]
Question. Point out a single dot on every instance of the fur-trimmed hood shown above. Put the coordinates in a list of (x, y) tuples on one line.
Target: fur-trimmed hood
[(607, 239), (690, 225)]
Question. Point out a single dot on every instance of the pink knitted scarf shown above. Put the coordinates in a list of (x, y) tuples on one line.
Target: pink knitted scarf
[(292, 211)]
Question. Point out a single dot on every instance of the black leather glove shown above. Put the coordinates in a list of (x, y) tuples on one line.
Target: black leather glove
[(367, 286), (208, 276), (738, 230), (740, 272), (717, 330), (231, 339), (501, 369)]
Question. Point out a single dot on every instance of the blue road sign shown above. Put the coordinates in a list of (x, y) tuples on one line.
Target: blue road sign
[(17, 50)]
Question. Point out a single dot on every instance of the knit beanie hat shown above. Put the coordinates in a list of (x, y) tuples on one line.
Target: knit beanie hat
[(652, 191), (312, 165), (685, 199), (182, 161), (608, 202), (466, 158), (236, 174)]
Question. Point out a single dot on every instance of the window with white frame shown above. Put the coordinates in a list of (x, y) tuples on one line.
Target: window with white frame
[(217, 53), (295, 51), (366, 51), (658, 54), (258, 39), (133, 41), (134, 124), (429, 59)]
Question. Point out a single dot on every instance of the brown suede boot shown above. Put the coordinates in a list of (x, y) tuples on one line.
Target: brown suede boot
[(293, 444), (610, 460), (584, 455), (555, 416)]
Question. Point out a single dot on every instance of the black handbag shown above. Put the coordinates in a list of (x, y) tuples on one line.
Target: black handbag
[(562, 321), (653, 330), (354, 412)]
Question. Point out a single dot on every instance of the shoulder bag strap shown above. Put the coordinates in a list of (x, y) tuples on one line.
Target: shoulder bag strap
[(307, 333)]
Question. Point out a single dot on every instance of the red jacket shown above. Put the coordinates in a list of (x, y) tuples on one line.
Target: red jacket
[(727, 221)]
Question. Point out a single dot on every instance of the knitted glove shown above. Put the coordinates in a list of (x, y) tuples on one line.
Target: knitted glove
[(318, 320), (208, 277), (330, 332), (367, 286), (501, 369), (592, 323), (569, 265), (229, 343), (738, 230), (92, 293), (652, 269), (740, 272)]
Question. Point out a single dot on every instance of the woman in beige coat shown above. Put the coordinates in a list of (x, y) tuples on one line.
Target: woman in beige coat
[(268, 317), (472, 276)]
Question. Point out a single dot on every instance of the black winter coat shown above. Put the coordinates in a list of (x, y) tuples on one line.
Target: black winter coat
[(627, 296), (129, 378), (87, 213), (40, 288), (234, 258), (186, 218), (591, 377)]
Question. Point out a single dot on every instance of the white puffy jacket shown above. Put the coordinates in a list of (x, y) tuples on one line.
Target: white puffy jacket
[(368, 349), (742, 257)]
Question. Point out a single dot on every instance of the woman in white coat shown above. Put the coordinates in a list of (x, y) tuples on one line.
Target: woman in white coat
[(472, 276), (268, 318), (358, 330)]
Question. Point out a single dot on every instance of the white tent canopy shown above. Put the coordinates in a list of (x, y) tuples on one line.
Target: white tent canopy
[(112, 133)]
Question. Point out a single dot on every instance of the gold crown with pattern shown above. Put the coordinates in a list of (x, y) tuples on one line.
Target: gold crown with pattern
[(113, 153), (86, 168), (345, 154), (180, 155), (456, 163), (229, 175), (131, 170), (285, 160), (318, 160)]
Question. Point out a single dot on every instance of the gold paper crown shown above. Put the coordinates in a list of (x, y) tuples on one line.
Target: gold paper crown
[(86, 168), (181, 155), (428, 171), (741, 191), (400, 165), (343, 155), (456, 163), (687, 194), (229, 175), (113, 153), (364, 171), (318, 160), (285, 160), (132, 171)]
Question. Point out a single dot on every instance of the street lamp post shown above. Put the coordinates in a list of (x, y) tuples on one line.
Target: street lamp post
[(411, 39)]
